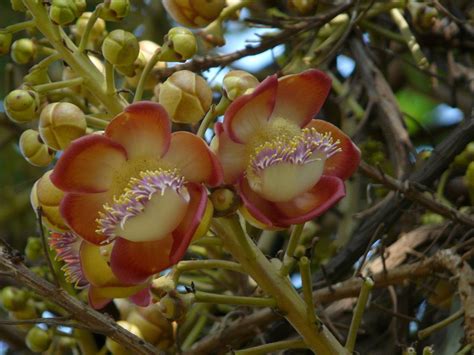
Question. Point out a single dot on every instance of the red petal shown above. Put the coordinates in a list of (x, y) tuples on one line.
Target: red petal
[(88, 165), (342, 164), (195, 161), (183, 235), (96, 299), (325, 194), (134, 262), (144, 129), (250, 113), (142, 298), (80, 212), (232, 156), (301, 96)]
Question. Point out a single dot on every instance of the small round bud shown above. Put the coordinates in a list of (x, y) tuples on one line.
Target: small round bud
[(81, 6), (173, 306), (115, 10), (237, 82), (117, 349), (33, 249), (180, 44), (60, 123), (47, 196), (23, 51), (22, 105), (97, 30), (17, 5), (63, 12), (38, 340), (161, 286), (5, 42), (225, 201), (409, 351), (151, 323), (300, 251), (120, 48), (186, 96), (147, 49), (13, 299), (303, 6), (34, 150), (195, 13)]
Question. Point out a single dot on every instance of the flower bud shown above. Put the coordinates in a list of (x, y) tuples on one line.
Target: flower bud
[(23, 51), (194, 13), (81, 6), (225, 201), (303, 6), (180, 44), (213, 34), (174, 306), (33, 249), (34, 150), (17, 5), (22, 105), (161, 286), (423, 15), (237, 82), (60, 123), (5, 42), (38, 340), (186, 96), (97, 30), (63, 12), (47, 196), (152, 332), (117, 349), (115, 10), (120, 48), (13, 299)]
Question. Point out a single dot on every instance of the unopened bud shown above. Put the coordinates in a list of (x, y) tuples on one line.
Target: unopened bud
[(194, 13), (161, 286), (23, 51), (213, 34), (147, 49), (115, 10), (179, 44), (22, 105), (303, 6), (225, 201), (33, 249), (38, 340), (186, 96), (5, 42), (13, 299), (60, 123), (423, 15), (117, 349), (120, 48), (173, 306), (34, 150), (152, 332), (81, 6), (237, 82), (63, 12), (97, 30)]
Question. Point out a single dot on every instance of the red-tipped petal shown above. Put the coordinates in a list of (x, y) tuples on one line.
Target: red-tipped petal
[(301, 96), (134, 262), (142, 298), (144, 129), (250, 113), (100, 296), (183, 235), (344, 163), (325, 194), (233, 156), (96, 299), (88, 165), (80, 212), (193, 158)]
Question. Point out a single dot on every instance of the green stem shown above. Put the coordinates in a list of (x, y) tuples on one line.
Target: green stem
[(79, 62), (43, 88), (442, 184), (96, 122), (289, 260), (367, 286), (146, 71), (46, 62), (205, 241), (230, 10), (266, 275), (194, 333), (188, 265), (424, 333), (17, 27), (382, 31), (273, 347), (466, 350), (205, 297), (86, 341), (214, 111), (90, 24), (305, 270), (351, 102), (109, 78)]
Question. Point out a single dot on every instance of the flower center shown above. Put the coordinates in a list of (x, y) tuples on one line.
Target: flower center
[(150, 208), (283, 168)]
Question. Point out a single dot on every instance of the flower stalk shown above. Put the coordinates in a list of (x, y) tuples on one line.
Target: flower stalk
[(205, 297), (289, 260)]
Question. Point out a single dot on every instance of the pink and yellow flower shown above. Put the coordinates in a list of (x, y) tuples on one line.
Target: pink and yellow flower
[(139, 188), (288, 167)]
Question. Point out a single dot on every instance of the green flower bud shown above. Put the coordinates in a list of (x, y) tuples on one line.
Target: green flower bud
[(117, 349), (174, 305), (237, 82), (81, 6), (60, 123), (63, 12), (115, 10), (34, 150), (120, 48), (186, 96), (194, 13), (97, 30), (13, 299), (303, 6), (180, 44), (23, 51), (225, 201), (423, 15), (33, 249), (38, 340), (17, 5), (22, 105), (5, 42)]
